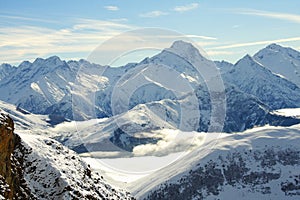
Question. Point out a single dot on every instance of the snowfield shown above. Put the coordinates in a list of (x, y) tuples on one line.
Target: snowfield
[(273, 150), (52, 171)]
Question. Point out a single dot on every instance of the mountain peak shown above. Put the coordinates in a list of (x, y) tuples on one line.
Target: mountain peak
[(5, 66), (54, 59), (274, 46), (185, 50), (38, 60), (249, 63), (51, 59), (246, 59), (182, 45), (25, 63)]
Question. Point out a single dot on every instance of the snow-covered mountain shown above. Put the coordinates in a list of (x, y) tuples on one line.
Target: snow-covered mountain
[(6, 70), (273, 90), (80, 90), (24, 120), (121, 111), (281, 60), (35, 86), (138, 126), (168, 90), (36, 167), (39, 86), (262, 163)]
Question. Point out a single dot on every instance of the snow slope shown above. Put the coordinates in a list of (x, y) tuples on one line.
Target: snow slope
[(52, 171), (252, 78), (289, 112), (262, 163), (25, 121), (6, 70), (281, 60)]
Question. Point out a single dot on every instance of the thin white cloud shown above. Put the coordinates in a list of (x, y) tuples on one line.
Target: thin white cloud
[(22, 18), (257, 43), (187, 37), (111, 8), (28, 42), (187, 7), (120, 20), (155, 13), (101, 25), (276, 15), (202, 37)]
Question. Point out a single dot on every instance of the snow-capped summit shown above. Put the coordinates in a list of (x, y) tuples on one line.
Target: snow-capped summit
[(186, 50), (281, 60), (6, 70), (274, 47), (253, 78), (248, 65), (37, 85), (184, 47), (46, 86), (54, 60)]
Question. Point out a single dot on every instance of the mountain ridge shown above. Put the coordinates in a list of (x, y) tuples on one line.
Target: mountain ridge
[(59, 85)]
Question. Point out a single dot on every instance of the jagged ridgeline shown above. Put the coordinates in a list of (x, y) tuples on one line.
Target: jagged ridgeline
[(252, 90)]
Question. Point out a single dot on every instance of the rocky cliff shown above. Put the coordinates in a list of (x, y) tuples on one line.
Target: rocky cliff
[(36, 167), (12, 184)]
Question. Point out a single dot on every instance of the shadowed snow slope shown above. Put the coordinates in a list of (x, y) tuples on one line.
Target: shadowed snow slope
[(262, 163), (281, 60)]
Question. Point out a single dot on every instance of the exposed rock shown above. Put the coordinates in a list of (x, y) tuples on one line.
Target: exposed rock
[(235, 170), (36, 167), (11, 175)]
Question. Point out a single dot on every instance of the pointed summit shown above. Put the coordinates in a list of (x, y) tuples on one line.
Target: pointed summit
[(247, 60), (284, 61), (185, 50), (183, 46), (247, 57), (273, 45), (54, 60)]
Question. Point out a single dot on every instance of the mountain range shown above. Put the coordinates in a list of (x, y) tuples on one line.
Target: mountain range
[(52, 87), (129, 108)]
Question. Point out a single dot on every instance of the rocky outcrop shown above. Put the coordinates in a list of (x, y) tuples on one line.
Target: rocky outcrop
[(235, 172), (12, 184), (36, 167)]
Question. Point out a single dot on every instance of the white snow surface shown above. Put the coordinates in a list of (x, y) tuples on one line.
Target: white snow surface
[(281, 60), (288, 112), (53, 171), (254, 139)]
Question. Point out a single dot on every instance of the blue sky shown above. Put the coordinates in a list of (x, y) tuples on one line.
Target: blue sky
[(73, 29)]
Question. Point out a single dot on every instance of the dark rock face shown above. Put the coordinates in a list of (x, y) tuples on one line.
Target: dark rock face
[(234, 169), (12, 183), (127, 142)]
